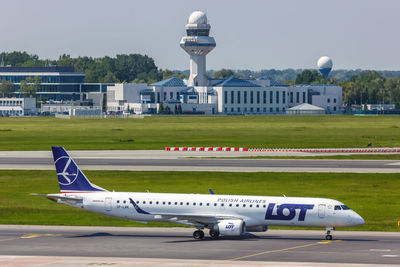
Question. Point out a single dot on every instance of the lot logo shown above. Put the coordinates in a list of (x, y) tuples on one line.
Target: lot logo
[(287, 212), (67, 171), (229, 226)]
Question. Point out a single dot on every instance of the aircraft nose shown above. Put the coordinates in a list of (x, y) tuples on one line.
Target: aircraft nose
[(357, 219)]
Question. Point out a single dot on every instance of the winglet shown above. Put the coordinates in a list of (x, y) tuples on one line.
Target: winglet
[(211, 192)]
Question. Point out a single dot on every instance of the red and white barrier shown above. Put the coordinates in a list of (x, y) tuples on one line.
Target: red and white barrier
[(309, 150)]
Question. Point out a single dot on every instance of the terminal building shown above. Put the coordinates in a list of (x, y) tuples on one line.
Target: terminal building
[(201, 95)]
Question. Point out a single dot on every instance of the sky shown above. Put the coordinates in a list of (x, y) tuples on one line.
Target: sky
[(252, 34)]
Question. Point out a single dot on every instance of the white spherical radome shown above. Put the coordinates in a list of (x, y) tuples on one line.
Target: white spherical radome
[(198, 17), (324, 62)]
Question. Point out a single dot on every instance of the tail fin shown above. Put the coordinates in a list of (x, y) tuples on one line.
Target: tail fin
[(70, 177)]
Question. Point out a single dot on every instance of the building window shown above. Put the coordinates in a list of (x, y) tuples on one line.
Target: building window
[(265, 110), (265, 97), (232, 110), (283, 110), (238, 97), (304, 97), (177, 95), (258, 110), (165, 96), (270, 97), (283, 97), (226, 97), (171, 95), (232, 97), (245, 97), (291, 97), (277, 109), (251, 97), (245, 109), (251, 109), (334, 100), (258, 97), (226, 110), (277, 97), (334, 108), (158, 97), (238, 109), (329, 100), (297, 97)]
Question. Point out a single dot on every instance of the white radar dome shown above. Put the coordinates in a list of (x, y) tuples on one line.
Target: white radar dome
[(324, 65), (198, 17), (324, 62)]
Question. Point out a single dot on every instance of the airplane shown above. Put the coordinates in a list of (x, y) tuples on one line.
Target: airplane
[(223, 215)]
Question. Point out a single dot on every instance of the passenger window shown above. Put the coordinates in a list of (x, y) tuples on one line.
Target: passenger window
[(201, 204), (181, 203), (237, 205), (230, 205), (124, 201), (257, 206), (144, 202), (187, 203), (244, 205), (169, 203), (157, 203), (208, 204), (264, 206), (117, 201), (194, 203), (215, 204), (176, 203), (251, 205), (222, 204), (163, 203), (151, 202)]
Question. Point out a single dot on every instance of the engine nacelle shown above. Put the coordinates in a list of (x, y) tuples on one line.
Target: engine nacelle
[(231, 227), (258, 228)]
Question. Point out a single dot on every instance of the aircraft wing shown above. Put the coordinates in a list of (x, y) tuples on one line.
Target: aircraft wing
[(188, 219)]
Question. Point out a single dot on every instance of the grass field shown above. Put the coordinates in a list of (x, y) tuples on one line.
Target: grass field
[(158, 132), (373, 196)]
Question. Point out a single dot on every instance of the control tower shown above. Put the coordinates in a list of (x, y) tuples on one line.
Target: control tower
[(197, 43)]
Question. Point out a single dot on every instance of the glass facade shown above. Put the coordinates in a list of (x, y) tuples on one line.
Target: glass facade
[(56, 83)]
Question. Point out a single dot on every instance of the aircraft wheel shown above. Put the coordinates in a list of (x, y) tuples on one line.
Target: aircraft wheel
[(198, 234), (214, 234), (328, 237)]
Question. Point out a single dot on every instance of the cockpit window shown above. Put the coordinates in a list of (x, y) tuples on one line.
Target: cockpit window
[(344, 207), (338, 207)]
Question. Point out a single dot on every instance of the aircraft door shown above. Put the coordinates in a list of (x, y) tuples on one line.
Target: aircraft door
[(321, 211), (108, 203)]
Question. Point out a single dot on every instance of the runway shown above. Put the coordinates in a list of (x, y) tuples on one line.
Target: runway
[(118, 245), (179, 161)]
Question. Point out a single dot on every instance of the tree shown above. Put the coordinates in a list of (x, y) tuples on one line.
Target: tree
[(30, 85), (224, 74), (161, 108), (6, 88)]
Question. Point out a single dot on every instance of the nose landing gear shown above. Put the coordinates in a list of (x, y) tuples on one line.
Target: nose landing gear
[(328, 233)]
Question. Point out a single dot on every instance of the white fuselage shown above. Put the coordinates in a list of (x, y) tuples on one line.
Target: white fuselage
[(253, 210)]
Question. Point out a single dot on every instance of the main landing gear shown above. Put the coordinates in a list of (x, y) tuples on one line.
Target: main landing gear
[(214, 234), (198, 234), (328, 233)]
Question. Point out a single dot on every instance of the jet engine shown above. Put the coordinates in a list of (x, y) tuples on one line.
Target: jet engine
[(231, 227)]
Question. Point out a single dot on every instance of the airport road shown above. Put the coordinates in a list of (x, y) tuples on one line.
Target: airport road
[(110, 245), (178, 161)]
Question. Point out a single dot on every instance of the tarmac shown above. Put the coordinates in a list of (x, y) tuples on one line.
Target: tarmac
[(159, 160), (22, 245)]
